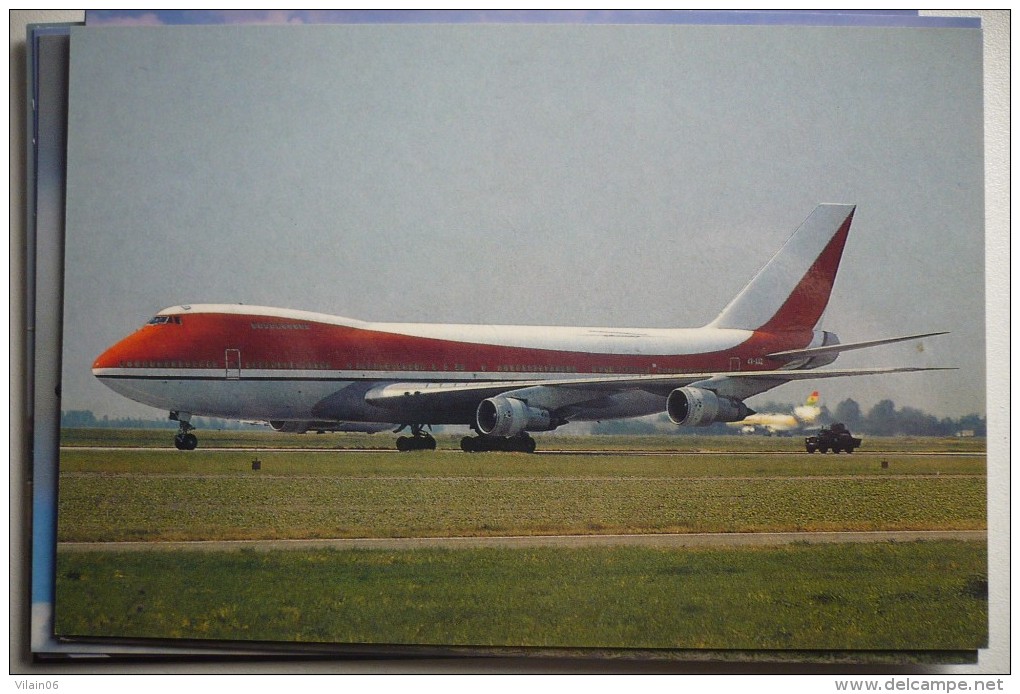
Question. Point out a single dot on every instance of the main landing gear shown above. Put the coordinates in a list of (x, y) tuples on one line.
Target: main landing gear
[(522, 443), (417, 441), (184, 440)]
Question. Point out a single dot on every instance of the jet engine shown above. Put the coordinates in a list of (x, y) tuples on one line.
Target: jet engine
[(697, 407), (503, 416)]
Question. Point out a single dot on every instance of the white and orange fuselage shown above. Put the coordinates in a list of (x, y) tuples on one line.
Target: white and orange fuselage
[(301, 370), (255, 362)]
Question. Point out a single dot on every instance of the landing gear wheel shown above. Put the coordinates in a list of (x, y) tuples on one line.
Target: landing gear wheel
[(186, 442), (475, 444), (522, 443), (526, 444), (418, 441)]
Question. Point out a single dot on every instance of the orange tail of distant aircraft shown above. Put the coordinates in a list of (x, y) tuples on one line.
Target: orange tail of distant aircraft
[(300, 370)]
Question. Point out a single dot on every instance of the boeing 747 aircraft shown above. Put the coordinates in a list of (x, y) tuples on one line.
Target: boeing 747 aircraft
[(299, 370)]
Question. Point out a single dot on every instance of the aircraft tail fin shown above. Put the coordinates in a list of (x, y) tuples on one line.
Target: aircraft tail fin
[(809, 411), (792, 290)]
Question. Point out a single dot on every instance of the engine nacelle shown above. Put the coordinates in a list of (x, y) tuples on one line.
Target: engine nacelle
[(822, 338), (503, 416), (697, 407), (290, 427)]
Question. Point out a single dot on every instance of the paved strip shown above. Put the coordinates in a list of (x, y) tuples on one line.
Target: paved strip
[(258, 449), (522, 542)]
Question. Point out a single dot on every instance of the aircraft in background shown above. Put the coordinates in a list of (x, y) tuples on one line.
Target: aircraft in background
[(300, 370), (781, 423)]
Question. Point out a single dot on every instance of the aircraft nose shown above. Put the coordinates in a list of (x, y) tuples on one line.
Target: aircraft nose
[(154, 345), (112, 358), (129, 352)]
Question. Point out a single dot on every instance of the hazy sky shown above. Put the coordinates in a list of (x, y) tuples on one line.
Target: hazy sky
[(546, 175)]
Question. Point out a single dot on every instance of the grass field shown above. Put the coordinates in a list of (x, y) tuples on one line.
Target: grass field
[(210, 495), (913, 596)]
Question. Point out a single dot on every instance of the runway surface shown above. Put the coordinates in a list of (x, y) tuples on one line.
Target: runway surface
[(253, 449), (521, 542)]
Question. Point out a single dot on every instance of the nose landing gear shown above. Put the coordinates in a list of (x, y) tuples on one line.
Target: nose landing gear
[(184, 440)]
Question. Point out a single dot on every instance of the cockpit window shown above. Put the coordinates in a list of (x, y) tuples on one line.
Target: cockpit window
[(163, 320)]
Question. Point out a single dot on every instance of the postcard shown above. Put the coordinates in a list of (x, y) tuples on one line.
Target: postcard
[(324, 384)]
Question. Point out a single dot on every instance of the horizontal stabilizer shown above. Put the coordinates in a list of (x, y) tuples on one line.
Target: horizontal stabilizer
[(837, 348)]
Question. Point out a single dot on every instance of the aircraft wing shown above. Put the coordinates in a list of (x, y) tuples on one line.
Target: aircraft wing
[(555, 394)]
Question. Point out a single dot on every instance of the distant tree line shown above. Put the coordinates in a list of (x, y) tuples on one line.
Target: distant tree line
[(883, 419), (86, 419), (657, 424)]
